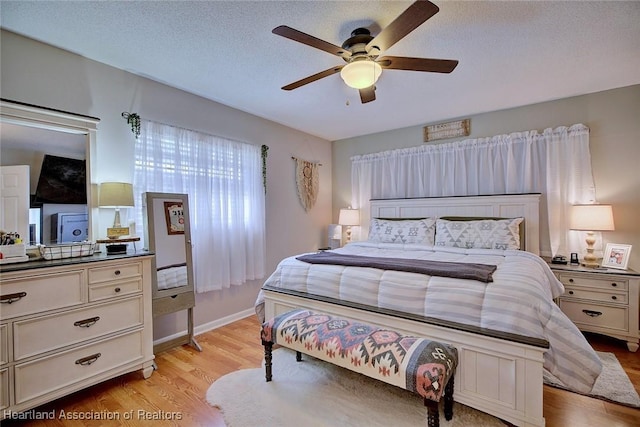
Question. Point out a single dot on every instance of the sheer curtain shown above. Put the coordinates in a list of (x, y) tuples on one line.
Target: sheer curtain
[(223, 180), (556, 163)]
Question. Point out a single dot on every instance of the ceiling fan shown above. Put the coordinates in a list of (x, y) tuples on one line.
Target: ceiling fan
[(361, 52)]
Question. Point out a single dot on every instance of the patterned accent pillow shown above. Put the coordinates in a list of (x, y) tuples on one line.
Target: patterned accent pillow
[(419, 231), (483, 234)]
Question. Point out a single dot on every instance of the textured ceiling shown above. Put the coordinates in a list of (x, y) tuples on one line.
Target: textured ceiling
[(511, 53)]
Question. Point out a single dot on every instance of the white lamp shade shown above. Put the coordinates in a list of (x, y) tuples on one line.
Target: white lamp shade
[(349, 217), (115, 194), (592, 218), (361, 74)]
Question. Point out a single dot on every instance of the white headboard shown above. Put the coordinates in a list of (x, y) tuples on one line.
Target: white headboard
[(504, 206)]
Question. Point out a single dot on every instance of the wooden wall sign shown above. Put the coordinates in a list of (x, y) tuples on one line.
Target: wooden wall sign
[(447, 130)]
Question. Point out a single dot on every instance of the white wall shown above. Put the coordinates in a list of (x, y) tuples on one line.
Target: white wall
[(613, 117), (39, 74)]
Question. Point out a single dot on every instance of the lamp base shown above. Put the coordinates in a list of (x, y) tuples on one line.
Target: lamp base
[(591, 264), (590, 260), (116, 232)]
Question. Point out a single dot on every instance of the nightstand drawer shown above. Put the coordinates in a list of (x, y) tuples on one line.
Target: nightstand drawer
[(596, 315), (596, 295), (575, 279)]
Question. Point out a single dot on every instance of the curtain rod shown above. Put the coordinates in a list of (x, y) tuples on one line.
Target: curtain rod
[(295, 158)]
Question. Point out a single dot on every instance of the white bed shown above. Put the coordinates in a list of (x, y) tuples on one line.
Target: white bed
[(501, 362)]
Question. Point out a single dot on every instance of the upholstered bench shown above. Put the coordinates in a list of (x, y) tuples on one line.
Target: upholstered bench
[(413, 363)]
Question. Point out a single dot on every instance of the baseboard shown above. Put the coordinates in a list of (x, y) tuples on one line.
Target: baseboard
[(209, 326)]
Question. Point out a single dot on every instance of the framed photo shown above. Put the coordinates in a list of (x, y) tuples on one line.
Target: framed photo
[(174, 214), (616, 256)]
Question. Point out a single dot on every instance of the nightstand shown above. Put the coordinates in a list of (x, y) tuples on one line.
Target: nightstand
[(604, 301)]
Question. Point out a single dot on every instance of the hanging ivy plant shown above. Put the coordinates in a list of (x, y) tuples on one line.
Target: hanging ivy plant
[(265, 149), (133, 120)]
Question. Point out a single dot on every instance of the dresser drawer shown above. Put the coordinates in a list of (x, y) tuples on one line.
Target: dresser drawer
[(45, 375), (4, 389), (34, 336), (114, 289), (34, 294), (115, 272), (4, 344), (574, 279), (585, 314), (596, 295)]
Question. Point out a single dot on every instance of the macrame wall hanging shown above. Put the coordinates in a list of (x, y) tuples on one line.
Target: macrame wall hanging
[(307, 181)]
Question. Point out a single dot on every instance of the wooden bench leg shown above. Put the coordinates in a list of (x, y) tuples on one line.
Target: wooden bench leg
[(448, 399), (433, 413), (268, 347)]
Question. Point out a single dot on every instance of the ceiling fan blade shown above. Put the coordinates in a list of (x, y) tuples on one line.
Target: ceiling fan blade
[(312, 41), (417, 64), (368, 94), (313, 78), (408, 21)]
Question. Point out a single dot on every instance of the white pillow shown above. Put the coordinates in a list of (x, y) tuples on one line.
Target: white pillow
[(420, 231), (483, 234)]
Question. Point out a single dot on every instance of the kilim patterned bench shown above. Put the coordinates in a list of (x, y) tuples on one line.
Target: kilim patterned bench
[(416, 364)]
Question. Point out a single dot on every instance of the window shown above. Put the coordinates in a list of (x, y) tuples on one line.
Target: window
[(223, 179)]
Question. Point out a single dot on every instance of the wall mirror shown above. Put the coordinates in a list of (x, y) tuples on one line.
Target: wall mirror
[(168, 235), (45, 159)]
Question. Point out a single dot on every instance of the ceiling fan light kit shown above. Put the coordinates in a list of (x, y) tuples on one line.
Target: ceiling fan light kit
[(362, 52), (361, 74)]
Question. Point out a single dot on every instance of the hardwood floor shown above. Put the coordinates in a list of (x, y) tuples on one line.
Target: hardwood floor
[(175, 394)]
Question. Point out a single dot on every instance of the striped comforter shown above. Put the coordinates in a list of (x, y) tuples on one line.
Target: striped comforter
[(519, 300)]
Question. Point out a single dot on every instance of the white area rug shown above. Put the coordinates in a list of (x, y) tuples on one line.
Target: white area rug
[(312, 393), (612, 385)]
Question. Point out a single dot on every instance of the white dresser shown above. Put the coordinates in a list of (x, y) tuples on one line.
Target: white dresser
[(605, 301), (69, 324)]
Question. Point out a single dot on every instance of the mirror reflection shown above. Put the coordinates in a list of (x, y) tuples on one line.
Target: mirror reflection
[(52, 169)]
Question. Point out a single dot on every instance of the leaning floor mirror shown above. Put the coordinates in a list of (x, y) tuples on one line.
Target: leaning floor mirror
[(168, 235)]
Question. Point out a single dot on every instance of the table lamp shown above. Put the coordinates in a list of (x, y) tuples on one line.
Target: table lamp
[(591, 218), (116, 195), (349, 217)]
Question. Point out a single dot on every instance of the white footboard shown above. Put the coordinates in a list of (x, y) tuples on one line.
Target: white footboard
[(496, 374)]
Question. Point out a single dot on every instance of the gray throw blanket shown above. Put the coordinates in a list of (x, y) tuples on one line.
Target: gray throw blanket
[(458, 270)]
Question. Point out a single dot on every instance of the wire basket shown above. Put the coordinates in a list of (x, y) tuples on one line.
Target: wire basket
[(70, 250)]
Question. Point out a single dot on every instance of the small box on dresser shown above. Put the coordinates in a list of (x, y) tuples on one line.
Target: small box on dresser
[(604, 301)]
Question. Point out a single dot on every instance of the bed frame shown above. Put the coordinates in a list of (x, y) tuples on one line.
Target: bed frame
[(500, 374)]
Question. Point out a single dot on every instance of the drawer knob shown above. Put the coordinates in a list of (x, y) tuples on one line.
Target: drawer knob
[(86, 323), (614, 284), (117, 290), (592, 313), (570, 280), (11, 298), (86, 361), (570, 292), (614, 297), (117, 272)]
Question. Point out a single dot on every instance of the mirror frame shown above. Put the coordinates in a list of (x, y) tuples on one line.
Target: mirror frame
[(151, 221), (22, 114)]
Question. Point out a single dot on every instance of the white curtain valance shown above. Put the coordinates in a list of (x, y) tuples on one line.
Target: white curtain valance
[(556, 163)]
